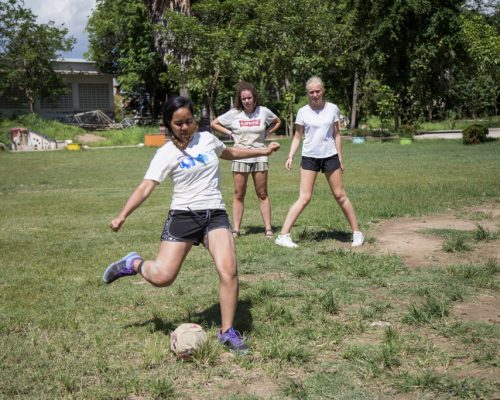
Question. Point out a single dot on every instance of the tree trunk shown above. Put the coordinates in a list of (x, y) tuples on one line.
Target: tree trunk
[(289, 122), (396, 120), (353, 123)]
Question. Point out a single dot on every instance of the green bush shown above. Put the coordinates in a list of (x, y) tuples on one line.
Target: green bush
[(359, 132), (475, 134), (407, 131)]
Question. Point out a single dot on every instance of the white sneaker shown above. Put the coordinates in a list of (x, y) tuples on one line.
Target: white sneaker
[(285, 241), (357, 239)]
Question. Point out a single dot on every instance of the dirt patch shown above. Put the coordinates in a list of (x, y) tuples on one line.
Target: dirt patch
[(485, 308), (406, 237), (89, 138)]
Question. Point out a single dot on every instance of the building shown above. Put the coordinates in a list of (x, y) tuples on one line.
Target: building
[(88, 90)]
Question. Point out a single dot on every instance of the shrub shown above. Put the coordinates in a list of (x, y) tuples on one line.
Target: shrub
[(475, 134), (359, 132), (407, 131)]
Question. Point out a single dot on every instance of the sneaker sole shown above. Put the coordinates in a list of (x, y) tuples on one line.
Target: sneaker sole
[(110, 272)]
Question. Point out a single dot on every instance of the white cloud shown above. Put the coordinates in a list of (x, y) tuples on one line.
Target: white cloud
[(72, 13)]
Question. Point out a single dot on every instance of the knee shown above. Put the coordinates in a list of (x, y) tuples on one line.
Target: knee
[(340, 196), (239, 195), (228, 275), (262, 195), (304, 200), (161, 278), (163, 281)]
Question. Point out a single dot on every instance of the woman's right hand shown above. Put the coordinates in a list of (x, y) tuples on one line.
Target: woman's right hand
[(116, 224), (272, 147)]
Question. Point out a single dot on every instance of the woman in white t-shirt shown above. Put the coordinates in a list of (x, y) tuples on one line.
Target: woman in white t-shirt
[(321, 151), (197, 212), (248, 124)]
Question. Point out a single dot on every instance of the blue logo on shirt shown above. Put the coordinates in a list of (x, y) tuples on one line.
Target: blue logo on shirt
[(188, 162)]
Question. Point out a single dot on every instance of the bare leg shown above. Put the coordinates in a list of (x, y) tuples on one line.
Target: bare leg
[(307, 180), (337, 186), (240, 189), (222, 249), (163, 271), (260, 182)]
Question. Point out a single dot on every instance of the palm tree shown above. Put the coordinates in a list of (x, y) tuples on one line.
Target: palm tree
[(158, 7), (157, 10)]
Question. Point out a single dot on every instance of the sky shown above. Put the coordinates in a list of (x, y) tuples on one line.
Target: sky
[(72, 13)]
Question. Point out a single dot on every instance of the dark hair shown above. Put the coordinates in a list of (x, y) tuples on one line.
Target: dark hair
[(245, 86), (172, 105)]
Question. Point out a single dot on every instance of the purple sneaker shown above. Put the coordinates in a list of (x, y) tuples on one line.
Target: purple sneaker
[(122, 267), (233, 340)]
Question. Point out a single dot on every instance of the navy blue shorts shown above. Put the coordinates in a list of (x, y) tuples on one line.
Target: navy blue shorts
[(192, 226), (328, 164)]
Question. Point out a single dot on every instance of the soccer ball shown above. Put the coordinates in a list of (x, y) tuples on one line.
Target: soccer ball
[(186, 339)]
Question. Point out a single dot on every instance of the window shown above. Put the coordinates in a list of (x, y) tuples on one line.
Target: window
[(13, 98), (64, 101), (93, 96)]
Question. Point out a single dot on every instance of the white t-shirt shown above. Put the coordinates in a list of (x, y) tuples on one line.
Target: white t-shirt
[(318, 130), (249, 131), (194, 172)]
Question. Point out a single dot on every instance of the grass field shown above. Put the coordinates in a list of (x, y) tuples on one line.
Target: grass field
[(307, 313)]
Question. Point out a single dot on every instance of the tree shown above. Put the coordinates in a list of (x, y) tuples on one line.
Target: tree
[(122, 42), (410, 47), (476, 87), (27, 52)]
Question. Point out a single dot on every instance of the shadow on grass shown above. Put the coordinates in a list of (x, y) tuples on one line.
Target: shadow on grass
[(155, 324), (256, 230), (243, 320), (208, 317), (306, 233), (317, 235)]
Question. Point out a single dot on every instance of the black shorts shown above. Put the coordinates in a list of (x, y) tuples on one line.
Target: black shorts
[(193, 226), (328, 164)]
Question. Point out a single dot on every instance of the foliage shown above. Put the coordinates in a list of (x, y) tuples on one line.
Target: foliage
[(407, 131), (359, 132), (380, 100), (427, 57), (121, 42), (475, 88), (475, 134), (27, 52)]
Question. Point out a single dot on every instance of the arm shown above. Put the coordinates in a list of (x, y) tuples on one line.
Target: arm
[(220, 128), (338, 142), (274, 126), (297, 137), (140, 194), (235, 153)]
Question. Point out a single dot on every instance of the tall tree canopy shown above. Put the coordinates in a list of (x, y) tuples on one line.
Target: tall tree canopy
[(27, 52), (410, 52), (122, 42)]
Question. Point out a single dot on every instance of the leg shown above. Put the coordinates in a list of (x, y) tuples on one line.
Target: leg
[(307, 180), (335, 181), (222, 249), (240, 189), (260, 182), (163, 271)]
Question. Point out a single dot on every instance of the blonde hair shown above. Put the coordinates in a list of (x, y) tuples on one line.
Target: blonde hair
[(315, 79)]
